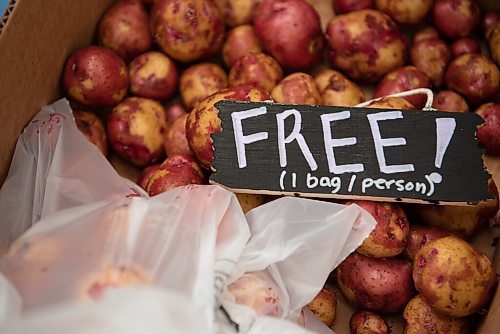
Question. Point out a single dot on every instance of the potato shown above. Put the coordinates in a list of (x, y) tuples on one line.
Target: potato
[(456, 18), (465, 221), (250, 201), (420, 236), (346, 6), (240, 41), (176, 171), (464, 45), (337, 90), (297, 88), (474, 76), (187, 30), (153, 75), (255, 292), (382, 285), (175, 138), (203, 121), (365, 322), (420, 318), (425, 33), (453, 277), (200, 81), (488, 133), (430, 55), (365, 44), (390, 234), (448, 100), (494, 43), (93, 129), (146, 174), (125, 29), (257, 70), (96, 77), (237, 12), (324, 306), (405, 11), (136, 128), (96, 286), (489, 20), (391, 103), (276, 21), (174, 111), (404, 79)]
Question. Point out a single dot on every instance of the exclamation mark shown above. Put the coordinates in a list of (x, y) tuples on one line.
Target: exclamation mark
[(445, 127)]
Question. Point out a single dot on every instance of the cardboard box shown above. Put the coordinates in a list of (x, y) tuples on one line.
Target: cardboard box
[(37, 36)]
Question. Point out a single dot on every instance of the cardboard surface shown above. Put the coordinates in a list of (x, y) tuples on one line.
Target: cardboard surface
[(34, 45)]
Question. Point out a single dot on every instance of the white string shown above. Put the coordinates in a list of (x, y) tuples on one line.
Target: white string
[(426, 91)]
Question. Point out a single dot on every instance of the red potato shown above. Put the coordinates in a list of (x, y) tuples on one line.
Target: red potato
[(346, 6), (255, 292), (391, 103), (494, 43), (488, 133), (391, 232), (203, 121), (250, 201), (420, 236), (405, 11), (464, 45), (324, 306), (489, 20), (125, 29), (425, 33), (380, 285), (237, 12), (402, 80), (456, 18), (175, 138), (365, 322), (453, 277), (474, 76), (365, 44), (430, 55), (176, 171), (96, 77), (240, 41), (420, 318), (93, 128), (153, 75), (448, 100), (146, 174), (257, 70), (174, 111), (276, 21), (337, 90), (187, 30), (136, 128), (297, 88), (200, 81), (96, 286)]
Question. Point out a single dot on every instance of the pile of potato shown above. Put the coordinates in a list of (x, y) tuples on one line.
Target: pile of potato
[(161, 65)]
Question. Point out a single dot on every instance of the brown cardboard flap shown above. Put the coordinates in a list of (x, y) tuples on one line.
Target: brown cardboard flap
[(35, 43)]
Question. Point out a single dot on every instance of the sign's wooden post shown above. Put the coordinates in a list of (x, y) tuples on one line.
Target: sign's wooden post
[(348, 152)]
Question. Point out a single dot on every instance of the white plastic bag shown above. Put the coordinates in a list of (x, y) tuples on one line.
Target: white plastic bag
[(294, 245), (55, 167)]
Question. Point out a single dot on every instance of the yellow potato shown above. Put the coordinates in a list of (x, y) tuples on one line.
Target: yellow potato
[(324, 306), (454, 278), (420, 318)]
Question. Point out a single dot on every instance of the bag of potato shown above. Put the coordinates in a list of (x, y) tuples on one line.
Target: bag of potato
[(178, 241), (294, 245), (55, 167)]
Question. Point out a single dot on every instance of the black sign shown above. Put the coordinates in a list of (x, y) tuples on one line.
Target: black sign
[(347, 152)]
